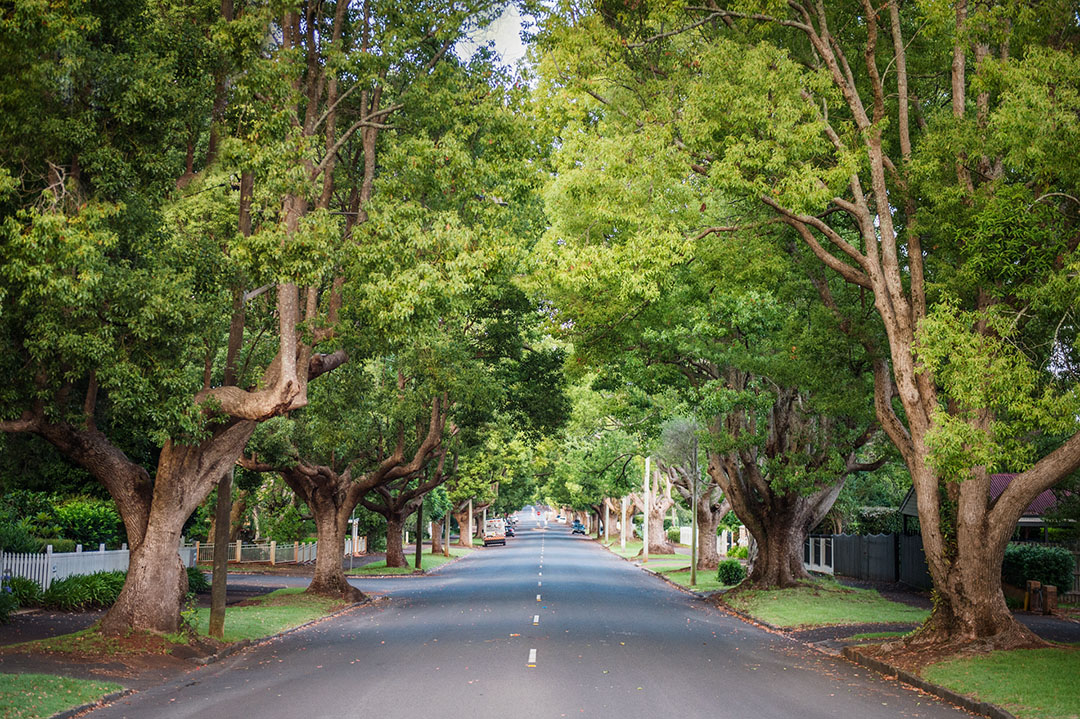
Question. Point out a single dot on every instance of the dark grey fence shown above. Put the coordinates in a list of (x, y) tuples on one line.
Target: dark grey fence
[(913, 569), (870, 556)]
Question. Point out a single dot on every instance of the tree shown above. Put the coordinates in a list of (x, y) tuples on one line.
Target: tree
[(331, 464), (945, 206), (679, 453)]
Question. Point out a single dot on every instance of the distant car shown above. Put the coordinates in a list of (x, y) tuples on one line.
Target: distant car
[(561, 519), (494, 532), (509, 530), (578, 528)]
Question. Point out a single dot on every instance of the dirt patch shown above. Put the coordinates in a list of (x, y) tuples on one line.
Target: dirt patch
[(909, 659), (134, 661)]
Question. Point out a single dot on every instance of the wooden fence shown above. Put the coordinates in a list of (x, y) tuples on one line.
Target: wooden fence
[(260, 553)]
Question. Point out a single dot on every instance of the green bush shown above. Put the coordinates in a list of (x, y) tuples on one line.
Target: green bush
[(58, 544), (90, 522), (197, 581), (8, 604), (738, 552), (288, 526), (730, 572), (1039, 562), (86, 591), (674, 535), (27, 592), (15, 537)]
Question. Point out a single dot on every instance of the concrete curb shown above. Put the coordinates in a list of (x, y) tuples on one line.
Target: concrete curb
[(853, 655), (103, 701)]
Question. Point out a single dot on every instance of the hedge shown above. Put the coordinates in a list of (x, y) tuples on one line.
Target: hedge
[(1042, 563)]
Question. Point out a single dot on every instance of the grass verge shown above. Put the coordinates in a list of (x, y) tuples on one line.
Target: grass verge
[(428, 562), (36, 696), (878, 635), (270, 614), (659, 562), (1030, 683), (706, 580), (823, 602)]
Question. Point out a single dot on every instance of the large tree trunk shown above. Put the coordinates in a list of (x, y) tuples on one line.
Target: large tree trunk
[(779, 522), (660, 503), (707, 520), (436, 536), (153, 593), (658, 541), (462, 518), (236, 516), (395, 551), (329, 578)]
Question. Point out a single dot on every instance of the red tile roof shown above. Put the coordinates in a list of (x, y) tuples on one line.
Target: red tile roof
[(1038, 506)]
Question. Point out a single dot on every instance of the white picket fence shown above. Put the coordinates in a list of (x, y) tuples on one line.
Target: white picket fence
[(50, 566)]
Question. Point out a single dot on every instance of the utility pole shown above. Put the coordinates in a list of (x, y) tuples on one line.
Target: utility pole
[(221, 548), (622, 524), (470, 542), (606, 532), (419, 533), (645, 523), (693, 533), (446, 521)]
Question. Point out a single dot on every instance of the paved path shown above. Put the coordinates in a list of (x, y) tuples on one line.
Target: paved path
[(549, 626)]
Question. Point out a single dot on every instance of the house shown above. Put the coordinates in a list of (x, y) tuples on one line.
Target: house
[(1031, 527)]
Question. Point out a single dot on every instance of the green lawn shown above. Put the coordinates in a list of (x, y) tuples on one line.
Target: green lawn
[(656, 561), (1030, 683), (822, 603), (37, 696), (879, 635), (706, 579), (429, 561), (270, 614)]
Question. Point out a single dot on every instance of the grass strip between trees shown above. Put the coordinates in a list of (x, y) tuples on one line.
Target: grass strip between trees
[(37, 696), (429, 561), (1030, 683), (823, 602), (270, 614), (706, 579)]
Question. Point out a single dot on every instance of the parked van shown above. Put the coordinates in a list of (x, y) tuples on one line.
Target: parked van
[(494, 532)]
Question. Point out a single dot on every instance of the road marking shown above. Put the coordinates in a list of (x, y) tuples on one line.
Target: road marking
[(538, 597), (532, 658), (536, 619)]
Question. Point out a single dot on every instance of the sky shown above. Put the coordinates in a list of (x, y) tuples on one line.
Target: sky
[(505, 31)]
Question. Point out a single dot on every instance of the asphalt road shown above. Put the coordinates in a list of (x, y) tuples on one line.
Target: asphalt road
[(549, 626)]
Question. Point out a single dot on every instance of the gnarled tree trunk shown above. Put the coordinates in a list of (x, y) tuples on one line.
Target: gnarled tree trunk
[(156, 580), (395, 551), (436, 536)]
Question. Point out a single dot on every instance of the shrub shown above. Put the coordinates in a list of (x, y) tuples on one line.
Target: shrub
[(674, 535), (738, 552), (15, 537), (288, 525), (730, 572), (197, 581), (8, 604), (90, 522), (86, 591), (27, 592), (58, 544), (1042, 563)]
